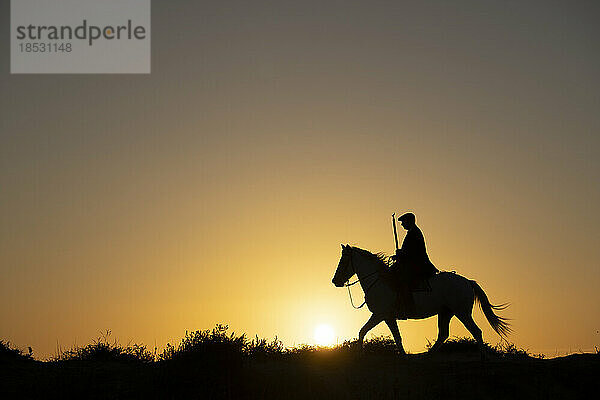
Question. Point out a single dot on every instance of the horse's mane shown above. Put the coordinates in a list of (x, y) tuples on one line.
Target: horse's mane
[(382, 259)]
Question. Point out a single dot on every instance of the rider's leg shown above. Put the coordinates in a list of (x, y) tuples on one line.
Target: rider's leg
[(405, 302), (370, 324), (411, 307), (444, 318), (393, 325)]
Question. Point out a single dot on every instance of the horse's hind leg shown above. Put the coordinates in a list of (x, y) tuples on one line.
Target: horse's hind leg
[(467, 320), (444, 318), (393, 325)]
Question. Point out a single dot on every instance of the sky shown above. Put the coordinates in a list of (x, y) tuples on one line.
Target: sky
[(218, 188)]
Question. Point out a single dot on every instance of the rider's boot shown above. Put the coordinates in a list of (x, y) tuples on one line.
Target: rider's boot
[(410, 304)]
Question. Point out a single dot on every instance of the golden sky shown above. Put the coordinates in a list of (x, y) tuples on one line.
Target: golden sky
[(218, 189)]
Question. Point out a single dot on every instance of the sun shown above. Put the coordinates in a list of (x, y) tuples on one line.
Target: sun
[(324, 335)]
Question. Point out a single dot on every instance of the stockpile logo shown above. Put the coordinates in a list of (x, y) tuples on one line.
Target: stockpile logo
[(80, 36)]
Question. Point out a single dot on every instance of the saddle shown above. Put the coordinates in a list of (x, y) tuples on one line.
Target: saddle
[(422, 286)]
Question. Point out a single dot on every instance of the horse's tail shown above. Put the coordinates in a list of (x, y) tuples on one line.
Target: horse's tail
[(499, 324)]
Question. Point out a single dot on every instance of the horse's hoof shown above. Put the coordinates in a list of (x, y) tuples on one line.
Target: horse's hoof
[(359, 350)]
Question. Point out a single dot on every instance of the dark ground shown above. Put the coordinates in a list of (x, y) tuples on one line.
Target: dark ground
[(309, 375)]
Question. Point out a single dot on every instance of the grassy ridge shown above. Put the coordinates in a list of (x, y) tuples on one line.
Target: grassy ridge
[(222, 365), (219, 343)]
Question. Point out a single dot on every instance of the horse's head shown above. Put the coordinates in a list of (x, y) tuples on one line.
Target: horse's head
[(344, 269)]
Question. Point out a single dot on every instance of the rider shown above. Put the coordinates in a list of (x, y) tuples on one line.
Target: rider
[(411, 263)]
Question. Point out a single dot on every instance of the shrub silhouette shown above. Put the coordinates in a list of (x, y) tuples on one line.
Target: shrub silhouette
[(8, 353), (218, 345), (102, 350), (216, 364), (380, 344), (207, 343), (507, 350), (262, 348)]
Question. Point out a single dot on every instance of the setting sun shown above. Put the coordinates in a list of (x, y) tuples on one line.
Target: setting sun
[(324, 335)]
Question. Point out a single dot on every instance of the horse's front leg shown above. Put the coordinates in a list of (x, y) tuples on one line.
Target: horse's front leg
[(370, 324), (393, 325)]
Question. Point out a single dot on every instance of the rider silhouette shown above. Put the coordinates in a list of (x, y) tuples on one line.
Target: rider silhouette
[(411, 263)]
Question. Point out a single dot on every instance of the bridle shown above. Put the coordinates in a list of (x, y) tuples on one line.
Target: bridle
[(357, 281)]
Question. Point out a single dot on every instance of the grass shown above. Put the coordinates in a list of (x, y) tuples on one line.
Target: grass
[(102, 349), (219, 364), (220, 343), (205, 343), (9, 353), (506, 350)]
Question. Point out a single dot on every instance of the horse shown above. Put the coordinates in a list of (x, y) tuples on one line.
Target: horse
[(448, 295)]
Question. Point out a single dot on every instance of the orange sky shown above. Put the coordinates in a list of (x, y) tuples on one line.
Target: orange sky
[(218, 188)]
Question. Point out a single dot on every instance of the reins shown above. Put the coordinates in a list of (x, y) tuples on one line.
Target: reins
[(357, 281), (352, 301)]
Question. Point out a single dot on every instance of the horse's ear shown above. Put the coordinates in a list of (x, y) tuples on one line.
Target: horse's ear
[(343, 247)]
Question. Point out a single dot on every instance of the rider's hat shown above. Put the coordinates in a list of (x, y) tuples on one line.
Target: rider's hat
[(410, 217)]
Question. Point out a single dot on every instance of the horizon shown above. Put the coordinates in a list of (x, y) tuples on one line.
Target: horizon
[(218, 188)]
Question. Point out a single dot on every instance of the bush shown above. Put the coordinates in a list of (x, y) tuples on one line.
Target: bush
[(218, 345), (380, 344), (509, 350), (102, 350), (261, 348), (207, 343), (460, 345), (7, 353), (467, 344)]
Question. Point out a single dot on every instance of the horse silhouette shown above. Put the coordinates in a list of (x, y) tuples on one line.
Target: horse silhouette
[(450, 295)]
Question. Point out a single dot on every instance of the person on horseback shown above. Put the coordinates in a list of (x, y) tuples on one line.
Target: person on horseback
[(411, 263)]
